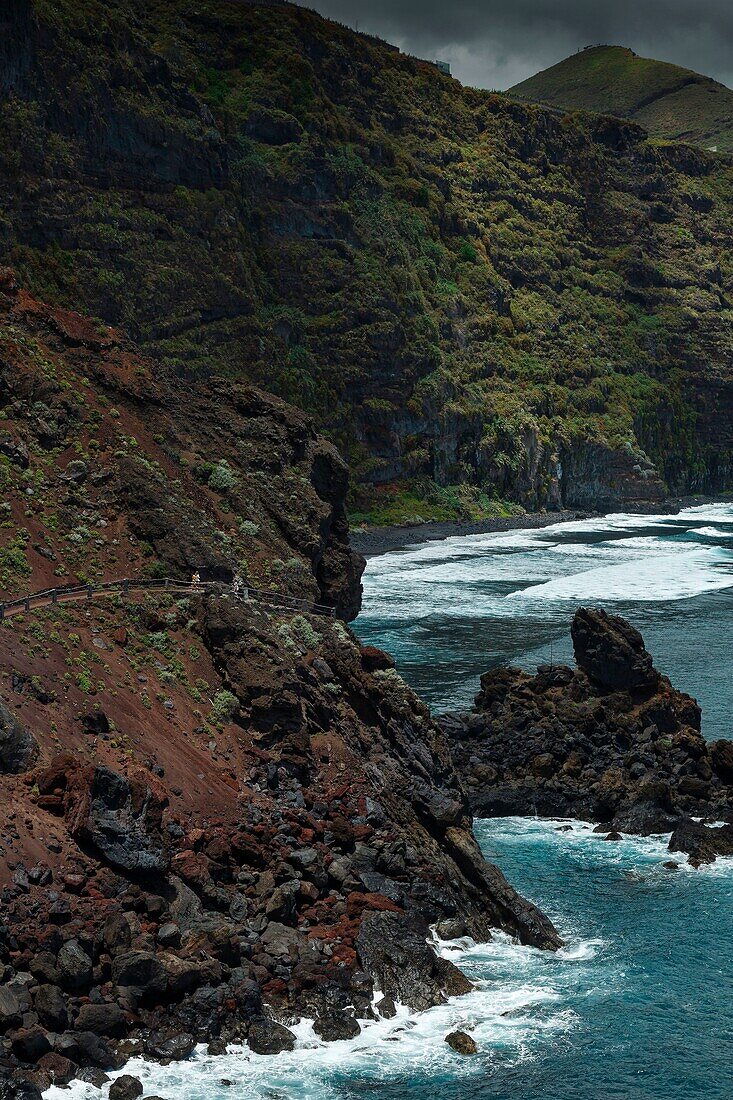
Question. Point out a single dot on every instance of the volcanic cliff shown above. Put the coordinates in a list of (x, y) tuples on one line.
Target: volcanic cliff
[(212, 813)]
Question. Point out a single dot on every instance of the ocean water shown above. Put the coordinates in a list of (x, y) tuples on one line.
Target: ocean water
[(450, 610), (638, 1005)]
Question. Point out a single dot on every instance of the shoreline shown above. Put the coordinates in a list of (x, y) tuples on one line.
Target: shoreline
[(372, 542)]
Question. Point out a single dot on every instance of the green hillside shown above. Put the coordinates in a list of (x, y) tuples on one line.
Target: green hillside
[(483, 302), (670, 102)]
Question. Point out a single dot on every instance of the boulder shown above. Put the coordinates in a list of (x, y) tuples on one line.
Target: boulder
[(721, 759), (461, 1042), (50, 1004), (30, 1043), (125, 1087), (336, 1025), (74, 966), (11, 1012), (142, 972), (93, 1076), (104, 1019), (61, 1070), (268, 1037), (18, 747), (120, 817), (19, 1088), (611, 652), (170, 1048), (650, 810)]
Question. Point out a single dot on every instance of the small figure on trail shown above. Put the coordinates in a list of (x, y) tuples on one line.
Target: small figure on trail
[(196, 579), (239, 588)]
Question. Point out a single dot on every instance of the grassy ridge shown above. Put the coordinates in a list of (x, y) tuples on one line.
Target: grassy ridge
[(671, 102), (462, 289)]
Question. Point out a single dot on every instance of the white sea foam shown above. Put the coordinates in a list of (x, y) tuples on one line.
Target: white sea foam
[(662, 576)]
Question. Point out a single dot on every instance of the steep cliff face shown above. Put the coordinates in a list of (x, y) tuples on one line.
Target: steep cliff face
[(211, 812), (464, 290)]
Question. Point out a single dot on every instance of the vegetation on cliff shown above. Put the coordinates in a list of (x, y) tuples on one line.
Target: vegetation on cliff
[(464, 290), (671, 102)]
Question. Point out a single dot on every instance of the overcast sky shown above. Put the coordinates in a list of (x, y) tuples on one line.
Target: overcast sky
[(496, 43)]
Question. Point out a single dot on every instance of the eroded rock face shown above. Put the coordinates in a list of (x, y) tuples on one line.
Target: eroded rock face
[(18, 747), (394, 952), (610, 741), (611, 652)]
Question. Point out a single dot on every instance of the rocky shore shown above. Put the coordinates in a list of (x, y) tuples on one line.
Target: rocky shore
[(609, 741), (214, 818)]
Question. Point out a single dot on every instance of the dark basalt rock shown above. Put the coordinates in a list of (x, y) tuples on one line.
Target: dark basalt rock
[(461, 1042), (610, 741), (18, 747), (104, 1019), (648, 812), (611, 651), (268, 1037), (702, 843), (396, 956), (336, 1025), (120, 817), (172, 1048), (18, 1088), (125, 1087), (721, 759)]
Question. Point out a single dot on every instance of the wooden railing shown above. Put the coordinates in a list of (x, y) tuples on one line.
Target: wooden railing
[(48, 597)]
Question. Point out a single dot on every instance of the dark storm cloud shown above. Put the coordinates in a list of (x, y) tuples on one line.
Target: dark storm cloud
[(495, 43)]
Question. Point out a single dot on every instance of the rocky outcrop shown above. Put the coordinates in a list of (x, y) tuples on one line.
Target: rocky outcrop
[(397, 957), (18, 746), (610, 741)]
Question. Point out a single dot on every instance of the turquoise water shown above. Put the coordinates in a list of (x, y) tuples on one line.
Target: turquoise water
[(639, 1003)]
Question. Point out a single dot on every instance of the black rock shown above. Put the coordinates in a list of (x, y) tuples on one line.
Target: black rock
[(18, 747), (399, 961), (11, 1012), (93, 1076), (30, 1043), (142, 972), (74, 966), (123, 825), (611, 652), (50, 1004), (125, 1087), (18, 1088), (268, 1037), (171, 1048), (103, 1019), (702, 843), (336, 1025), (461, 1042)]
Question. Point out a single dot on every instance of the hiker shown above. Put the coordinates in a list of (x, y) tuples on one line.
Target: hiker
[(196, 579), (239, 588)]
